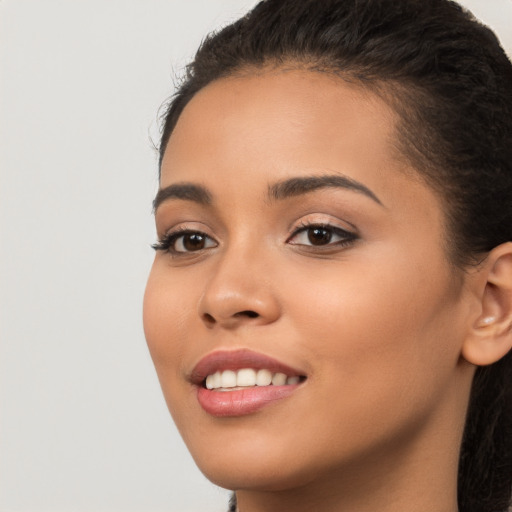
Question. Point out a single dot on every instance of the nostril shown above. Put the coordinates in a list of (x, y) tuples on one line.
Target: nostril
[(248, 313), (208, 318), (233, 320)]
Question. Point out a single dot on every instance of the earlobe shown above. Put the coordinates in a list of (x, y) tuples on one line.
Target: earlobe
[(490, 337)]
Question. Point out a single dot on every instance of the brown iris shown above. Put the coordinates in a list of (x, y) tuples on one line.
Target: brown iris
[(194, 241), (319, 236)]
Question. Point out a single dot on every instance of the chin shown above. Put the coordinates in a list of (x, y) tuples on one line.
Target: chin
[(246, 461), (262, 475)]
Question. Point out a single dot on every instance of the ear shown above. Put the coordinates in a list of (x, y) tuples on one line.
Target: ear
[(490, 337)]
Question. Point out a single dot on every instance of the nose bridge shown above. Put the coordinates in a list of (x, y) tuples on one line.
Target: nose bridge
[(239, 289)]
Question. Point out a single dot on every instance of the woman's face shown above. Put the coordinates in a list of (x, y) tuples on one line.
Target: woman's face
[(293, 241)]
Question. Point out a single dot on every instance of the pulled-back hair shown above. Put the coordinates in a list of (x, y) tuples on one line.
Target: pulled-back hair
[(450, 82)]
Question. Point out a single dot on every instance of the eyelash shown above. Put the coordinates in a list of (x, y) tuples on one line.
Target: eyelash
[(167, 243)]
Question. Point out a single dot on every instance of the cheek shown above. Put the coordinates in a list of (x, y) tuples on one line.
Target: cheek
[(167, 310), (166, 317), (384, 345), (380, 329)]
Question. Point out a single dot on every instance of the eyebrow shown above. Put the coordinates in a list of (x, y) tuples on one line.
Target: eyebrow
[(278, 191), (303, 185), (185, 191)]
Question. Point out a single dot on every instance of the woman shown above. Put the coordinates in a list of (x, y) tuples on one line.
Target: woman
[(331, 296)]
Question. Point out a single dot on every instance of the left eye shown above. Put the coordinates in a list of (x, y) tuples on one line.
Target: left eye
[(184, 242), (319, 235), (193, 241)]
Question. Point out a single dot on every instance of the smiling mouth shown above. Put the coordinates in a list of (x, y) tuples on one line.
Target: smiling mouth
[(246, 378), (233, 383)]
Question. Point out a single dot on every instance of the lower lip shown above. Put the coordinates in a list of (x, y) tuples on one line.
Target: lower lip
[(243, 401)]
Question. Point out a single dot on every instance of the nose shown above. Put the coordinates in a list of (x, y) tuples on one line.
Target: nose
[(239, 292)]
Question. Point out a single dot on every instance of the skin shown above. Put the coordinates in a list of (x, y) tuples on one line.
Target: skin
[(377, 324)]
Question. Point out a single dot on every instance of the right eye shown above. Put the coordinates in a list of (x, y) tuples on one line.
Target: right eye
[(185, 242)]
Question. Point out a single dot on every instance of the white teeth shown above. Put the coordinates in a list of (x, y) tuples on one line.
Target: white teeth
[(214, 381), (228, 379), (279, 379), (248, 377), (263, 378)]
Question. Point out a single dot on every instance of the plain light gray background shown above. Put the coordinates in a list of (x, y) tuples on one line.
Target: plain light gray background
[(83, 425)]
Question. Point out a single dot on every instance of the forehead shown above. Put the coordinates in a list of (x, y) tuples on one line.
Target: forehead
[(277, 117), (240, 134)]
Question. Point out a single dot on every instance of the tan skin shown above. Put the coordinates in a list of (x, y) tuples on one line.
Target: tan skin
[(386, 329)]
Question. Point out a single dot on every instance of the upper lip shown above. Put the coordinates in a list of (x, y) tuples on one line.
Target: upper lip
[(221, 360)]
